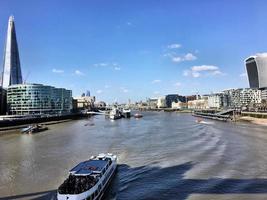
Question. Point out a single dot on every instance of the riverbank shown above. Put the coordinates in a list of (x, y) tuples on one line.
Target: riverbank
[(13, 121), (253, 120), (16, 129)]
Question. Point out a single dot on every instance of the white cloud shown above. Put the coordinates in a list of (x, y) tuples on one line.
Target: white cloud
[(59, 71), (177, 84), (79, 73), (114, 65), (174, 46), (243, 75), (217, 72), (107, 86), (99, 91), (156, 92), (123, 89), (177, 59), (186, 72), (190, 56), (195, 74), (156, 81), (129, 23), (186, 57), (204, 68), (103, 64), (207, 70)]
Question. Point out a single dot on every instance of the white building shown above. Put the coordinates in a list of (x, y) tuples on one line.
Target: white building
[(179, 105), (215, 100), (85, 102), (243, 97), (152, 102), (198, 104), (161, 102)]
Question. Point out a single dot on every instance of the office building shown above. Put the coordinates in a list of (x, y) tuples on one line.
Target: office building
[(162, 102), (174, 98), (2, 101), (243, 97), (85, 102), (257, 72), (152, 102), (11, 69), (216, 101), (25, 99)]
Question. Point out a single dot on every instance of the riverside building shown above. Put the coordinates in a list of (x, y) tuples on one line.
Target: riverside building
[(257, 72), (217, 100), (238, 98), (30, 99)]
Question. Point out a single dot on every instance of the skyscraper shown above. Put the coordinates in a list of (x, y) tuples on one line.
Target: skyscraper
[(11, 70), (257, 70)]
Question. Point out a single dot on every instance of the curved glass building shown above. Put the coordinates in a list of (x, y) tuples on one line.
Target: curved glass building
[(257, 70), (25, 99)]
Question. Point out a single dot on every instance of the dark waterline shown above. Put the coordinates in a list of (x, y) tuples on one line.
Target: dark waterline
[(161, 156)]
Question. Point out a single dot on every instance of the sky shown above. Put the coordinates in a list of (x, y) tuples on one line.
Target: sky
[(121, 50)]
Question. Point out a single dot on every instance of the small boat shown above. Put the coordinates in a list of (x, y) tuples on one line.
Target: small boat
[(138, 115), (89, 124), (126, 113), (34, 128), (200, 121), (89, 179), (115, 114)]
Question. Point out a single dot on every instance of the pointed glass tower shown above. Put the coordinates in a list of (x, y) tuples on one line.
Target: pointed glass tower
[(11, 70)]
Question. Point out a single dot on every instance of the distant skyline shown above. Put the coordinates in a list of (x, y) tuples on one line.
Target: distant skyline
[(122, 50)]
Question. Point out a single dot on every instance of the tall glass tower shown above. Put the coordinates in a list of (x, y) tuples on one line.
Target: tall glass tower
[(11, 70)]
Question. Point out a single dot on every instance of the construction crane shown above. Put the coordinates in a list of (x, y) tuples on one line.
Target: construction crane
[(26, 77)]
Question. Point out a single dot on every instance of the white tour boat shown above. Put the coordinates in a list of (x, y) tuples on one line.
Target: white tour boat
[(89, 179), (115, 114)]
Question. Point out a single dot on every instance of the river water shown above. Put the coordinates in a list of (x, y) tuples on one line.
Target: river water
[(161, 156)]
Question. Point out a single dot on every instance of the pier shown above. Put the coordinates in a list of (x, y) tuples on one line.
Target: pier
[(225, 115)]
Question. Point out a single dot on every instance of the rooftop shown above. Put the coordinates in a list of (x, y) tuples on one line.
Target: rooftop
[(88, 167)]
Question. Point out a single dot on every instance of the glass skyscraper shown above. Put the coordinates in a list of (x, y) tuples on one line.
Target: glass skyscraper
[(11, 70)]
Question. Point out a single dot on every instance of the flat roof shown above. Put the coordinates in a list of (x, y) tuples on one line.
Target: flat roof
[(88, 167)]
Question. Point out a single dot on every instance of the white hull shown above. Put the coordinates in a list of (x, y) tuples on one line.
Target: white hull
[(98, 188)]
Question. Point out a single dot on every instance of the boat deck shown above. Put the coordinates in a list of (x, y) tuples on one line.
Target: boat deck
[(89, 167)]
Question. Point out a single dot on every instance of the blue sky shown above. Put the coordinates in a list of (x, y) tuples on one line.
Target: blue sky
[(122, 50)]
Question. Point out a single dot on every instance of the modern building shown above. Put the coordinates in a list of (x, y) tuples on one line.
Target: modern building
[(25, 99), (174, 98), (179, 105), (2, 101), (191, 97), (257, 72), (100, 105), (162, 102), (11, 69), (198, 104), (85, 102), (152, 102), (216, 101), (243, 97)]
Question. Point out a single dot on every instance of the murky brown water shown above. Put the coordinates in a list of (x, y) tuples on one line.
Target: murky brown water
[(161, 156)]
